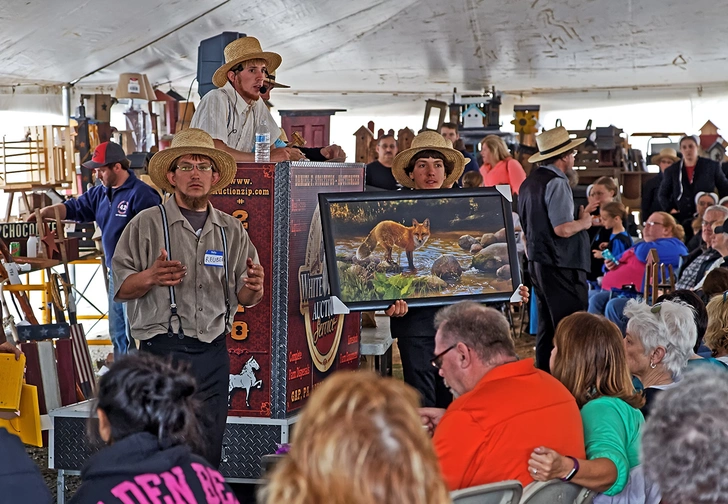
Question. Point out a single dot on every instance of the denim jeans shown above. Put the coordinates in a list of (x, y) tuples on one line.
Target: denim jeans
[(118, 323)]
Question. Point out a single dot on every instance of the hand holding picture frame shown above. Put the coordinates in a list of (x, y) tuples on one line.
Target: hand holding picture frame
[(426, 247)]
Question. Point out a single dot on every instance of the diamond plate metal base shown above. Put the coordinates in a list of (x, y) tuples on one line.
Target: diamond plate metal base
[(245, 442)]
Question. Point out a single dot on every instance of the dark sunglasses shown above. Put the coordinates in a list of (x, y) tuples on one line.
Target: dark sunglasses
[(436, 361)]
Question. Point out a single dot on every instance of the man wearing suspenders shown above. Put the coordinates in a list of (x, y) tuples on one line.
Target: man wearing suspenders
[(183, 267)]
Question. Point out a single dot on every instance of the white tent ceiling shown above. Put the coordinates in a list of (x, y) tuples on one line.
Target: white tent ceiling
[(380, 55)]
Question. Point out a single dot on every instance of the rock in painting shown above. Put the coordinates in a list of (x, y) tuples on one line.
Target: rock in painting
[(358, 271), (447, 268), (388, 267), (467, 241), (491, 258), (433, 283), (500, 235), (477, 247), (504, 272), (487, 239)]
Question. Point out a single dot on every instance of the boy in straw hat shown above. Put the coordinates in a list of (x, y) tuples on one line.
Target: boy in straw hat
[(430, 163), (184, 267), (234, 112), (557, 245)]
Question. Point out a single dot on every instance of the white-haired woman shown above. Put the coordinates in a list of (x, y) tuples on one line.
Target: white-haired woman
[(658, 344), (685, 441)]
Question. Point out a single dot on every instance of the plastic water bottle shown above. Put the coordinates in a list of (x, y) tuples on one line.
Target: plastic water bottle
[(32, 246), (608, 256), (262, 143)]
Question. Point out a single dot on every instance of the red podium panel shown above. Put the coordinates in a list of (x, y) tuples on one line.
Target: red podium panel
[(283, 347)]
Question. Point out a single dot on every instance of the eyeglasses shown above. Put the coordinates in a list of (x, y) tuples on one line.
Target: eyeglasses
[(437, 359), (204, 167), (653, 223)]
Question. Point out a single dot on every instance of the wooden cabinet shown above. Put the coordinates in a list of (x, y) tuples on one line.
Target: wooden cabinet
[(313, 125)]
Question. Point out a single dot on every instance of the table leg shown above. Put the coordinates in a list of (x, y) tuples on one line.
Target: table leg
[(383, 363), (61, 487)]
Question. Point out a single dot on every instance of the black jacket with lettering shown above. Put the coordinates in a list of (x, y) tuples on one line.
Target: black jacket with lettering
[(137, 469)]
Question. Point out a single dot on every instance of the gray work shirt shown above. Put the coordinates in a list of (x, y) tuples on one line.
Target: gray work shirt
[(200, 297), (559, 198)]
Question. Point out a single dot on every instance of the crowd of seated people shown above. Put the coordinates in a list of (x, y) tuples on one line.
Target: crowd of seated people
[(595, 420)]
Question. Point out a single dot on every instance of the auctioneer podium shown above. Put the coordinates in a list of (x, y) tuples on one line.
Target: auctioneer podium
[(281, 348)]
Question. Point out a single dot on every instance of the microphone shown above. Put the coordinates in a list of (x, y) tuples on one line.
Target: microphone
[(263, 89)]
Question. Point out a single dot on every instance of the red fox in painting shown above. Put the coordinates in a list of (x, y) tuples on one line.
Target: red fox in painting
[(390, 234)]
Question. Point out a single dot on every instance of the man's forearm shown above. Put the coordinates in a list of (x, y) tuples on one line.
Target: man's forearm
[(569, 229), (135, 286), (49, 212), (238, 156), (249, 298)]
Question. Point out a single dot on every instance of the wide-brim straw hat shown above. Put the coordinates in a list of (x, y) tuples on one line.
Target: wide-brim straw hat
[(244, 49), (428, 140), (191, 141), (554, 142), (668, 153)]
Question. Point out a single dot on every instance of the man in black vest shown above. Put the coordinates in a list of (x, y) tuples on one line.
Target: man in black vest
[(557, 245)]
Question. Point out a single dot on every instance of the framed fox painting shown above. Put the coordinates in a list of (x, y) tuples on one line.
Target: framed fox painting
[(426, 247)]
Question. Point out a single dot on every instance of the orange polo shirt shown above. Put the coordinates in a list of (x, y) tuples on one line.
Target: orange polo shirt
[(488, 434), (507, 171)]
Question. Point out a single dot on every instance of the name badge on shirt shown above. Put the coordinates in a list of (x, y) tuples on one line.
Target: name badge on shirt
[(214, 258)]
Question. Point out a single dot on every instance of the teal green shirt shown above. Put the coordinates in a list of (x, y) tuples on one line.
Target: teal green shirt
[(612, 431)]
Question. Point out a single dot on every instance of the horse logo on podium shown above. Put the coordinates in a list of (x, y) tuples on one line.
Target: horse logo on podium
[(246, 379)]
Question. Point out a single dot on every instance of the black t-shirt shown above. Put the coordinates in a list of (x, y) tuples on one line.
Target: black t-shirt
[(378, 175)]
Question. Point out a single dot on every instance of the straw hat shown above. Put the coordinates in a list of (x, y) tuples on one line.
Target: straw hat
[(553, 142), (244, 49), (191, 141), (668, 153), (428, 140)]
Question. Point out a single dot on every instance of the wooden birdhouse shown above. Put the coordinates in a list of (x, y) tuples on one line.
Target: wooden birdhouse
[(473, 117), (708, 136), (716, 152)]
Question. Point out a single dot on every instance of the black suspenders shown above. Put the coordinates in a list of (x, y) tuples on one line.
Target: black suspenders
[(172, 296)]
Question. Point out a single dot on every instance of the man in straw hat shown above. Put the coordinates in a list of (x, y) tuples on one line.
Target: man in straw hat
[(184, 267), (233, 113), (650, 200), (557, 244)]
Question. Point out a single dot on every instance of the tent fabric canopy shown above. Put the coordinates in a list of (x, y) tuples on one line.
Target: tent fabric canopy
[(348, 54)]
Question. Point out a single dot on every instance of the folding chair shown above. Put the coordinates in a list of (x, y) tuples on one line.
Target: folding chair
[(556, 492), (503, 492)]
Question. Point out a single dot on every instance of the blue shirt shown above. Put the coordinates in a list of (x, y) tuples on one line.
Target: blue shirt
[(113, 215)]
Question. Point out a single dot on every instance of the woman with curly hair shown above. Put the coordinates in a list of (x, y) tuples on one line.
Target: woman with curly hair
[(589, 359), (359, 441)]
